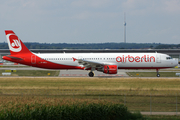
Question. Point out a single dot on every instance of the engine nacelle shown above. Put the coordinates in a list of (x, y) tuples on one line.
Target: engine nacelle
[(110, 69)]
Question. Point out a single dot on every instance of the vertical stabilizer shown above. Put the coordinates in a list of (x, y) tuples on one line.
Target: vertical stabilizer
[(16, 46)]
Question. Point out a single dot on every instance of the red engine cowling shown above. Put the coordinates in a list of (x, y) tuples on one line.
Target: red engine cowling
[(110, 69)]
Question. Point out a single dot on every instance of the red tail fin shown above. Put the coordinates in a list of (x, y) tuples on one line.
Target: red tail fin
[(16, 46)]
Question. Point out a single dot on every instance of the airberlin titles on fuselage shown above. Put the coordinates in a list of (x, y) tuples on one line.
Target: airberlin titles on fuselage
[(144, 58)]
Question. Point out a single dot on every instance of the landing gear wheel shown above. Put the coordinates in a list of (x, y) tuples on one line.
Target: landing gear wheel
[(158, 75), (91, 74)]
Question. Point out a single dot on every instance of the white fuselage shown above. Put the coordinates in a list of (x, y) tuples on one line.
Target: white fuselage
[(122, 60)]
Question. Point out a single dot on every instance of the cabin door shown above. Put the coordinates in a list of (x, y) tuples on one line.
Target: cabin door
[(158, 58)]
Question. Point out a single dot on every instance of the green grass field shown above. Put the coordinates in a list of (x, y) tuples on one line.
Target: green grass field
[(32, 72), (162, 117), (14, 66), (152, 74), (135, 93)]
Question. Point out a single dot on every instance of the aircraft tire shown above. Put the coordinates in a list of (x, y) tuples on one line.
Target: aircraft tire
[(158, 75), (91, 74)]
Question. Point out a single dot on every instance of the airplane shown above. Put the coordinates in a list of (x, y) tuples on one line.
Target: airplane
[(108, 63)]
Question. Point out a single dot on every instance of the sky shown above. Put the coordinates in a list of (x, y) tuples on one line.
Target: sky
[(91, 21)]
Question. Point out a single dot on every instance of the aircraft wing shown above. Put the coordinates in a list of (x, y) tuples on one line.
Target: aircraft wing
[(89, 64)]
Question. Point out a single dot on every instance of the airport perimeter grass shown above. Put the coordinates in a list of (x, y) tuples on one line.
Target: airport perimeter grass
[(32, 72), (135, 93), (67, 110), (152, 74), (162, 117), (14, 66)]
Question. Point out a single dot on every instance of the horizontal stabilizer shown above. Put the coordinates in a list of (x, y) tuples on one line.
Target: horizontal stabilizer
[(16, 58)]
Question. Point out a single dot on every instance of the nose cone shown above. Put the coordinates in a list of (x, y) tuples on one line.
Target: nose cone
[(175, 62)]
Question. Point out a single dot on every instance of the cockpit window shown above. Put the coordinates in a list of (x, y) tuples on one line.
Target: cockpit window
[(168, 58)]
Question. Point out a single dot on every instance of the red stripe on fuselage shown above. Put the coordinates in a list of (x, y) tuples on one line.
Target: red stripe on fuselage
[(26, 60)]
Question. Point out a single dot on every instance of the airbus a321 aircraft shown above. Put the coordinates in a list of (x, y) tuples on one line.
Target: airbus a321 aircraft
[(108, 63)]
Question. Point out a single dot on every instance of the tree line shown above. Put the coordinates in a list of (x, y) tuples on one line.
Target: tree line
[(35, 45)]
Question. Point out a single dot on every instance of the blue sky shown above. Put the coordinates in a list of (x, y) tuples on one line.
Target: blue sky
[(91, 21)]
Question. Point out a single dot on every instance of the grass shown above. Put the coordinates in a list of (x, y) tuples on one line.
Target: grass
[(75, 111), (144, 86), (162, 117), (99, 84), (136, 93), (14, 66), (33, 72), (152, 74)]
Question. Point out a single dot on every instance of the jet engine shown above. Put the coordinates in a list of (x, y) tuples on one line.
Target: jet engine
[(110, 69)]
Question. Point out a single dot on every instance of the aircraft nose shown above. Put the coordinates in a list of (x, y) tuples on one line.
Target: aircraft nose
[(176, 62)]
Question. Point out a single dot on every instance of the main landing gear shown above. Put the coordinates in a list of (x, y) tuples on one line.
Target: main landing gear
[(158, 75), (91, 74)]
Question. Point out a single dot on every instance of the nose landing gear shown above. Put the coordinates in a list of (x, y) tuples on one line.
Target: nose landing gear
[(158, 75)]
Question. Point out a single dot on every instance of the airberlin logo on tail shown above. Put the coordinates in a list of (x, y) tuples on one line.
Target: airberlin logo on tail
[(14, 43), (144, 58)]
